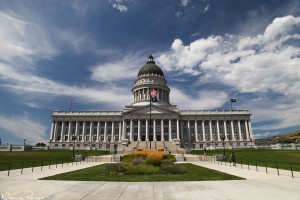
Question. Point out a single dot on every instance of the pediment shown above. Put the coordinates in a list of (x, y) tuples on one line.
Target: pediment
[(145, 110)]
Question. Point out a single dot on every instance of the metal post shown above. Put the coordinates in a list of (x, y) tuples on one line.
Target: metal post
[(242, 164), (42, 166), (22, 167), (292, 170), (32, 165), (266, 167), (49, 164), (256, 165), (9, 169), (277, 169), (248, 165)]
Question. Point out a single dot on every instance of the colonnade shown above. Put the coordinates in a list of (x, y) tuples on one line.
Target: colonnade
[(159, 130)]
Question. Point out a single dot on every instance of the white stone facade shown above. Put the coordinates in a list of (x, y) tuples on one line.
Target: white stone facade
[(193, 128)]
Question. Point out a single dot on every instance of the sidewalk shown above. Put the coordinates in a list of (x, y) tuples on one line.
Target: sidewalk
[(259, 186)]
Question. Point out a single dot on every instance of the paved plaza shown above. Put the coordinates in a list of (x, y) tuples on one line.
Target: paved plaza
[(259, 185)]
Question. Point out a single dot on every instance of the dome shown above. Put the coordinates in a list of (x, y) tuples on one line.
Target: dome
[(150, 68)]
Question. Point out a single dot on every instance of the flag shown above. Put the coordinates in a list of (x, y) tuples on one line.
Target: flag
[(233, 100), (153, 95)]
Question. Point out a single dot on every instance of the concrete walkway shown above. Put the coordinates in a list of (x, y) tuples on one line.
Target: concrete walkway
[(259, 186)]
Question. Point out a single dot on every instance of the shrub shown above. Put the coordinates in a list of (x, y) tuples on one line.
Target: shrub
[(153, 161), (142, 154), (169, 157), (142, 170), (160, 149), (138, 161), (140, 149), (127, 158), (116, 168), (166, 162)]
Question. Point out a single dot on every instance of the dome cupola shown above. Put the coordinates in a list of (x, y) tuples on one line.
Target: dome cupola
[(150, 68)]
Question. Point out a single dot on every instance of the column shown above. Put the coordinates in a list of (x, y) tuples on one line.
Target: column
[(124, 129), (62, 131), (55, 131), (246, 127), (170, 130), (91, 128), (232, 130), (139, 130), (147, 130), (250, 129), (203, 131), (181, 129), (240, 131), (162, 130), (83, 132), (120, 130), (105, 131), (51, 131), (98, 130), (225, 130), (177, 126), (69, 131), (131, 131), (112, 131), (154, 130), (196, 131), (189, 131), (218, 131), (210, 131)]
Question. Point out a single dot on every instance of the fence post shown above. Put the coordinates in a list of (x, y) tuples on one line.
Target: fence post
[(242, 164), (32, 166), (256, 165), (248, 165), (22, 167), (292, 170), (9, 169)]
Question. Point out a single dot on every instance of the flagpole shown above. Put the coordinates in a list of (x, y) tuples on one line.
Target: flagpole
[(71, 104), (231, 104), (150, 117)]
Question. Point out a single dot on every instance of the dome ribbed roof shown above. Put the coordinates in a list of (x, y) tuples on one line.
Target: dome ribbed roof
[(150, 68)]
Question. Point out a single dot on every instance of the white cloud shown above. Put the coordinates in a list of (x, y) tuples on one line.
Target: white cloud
[(23, 127), (125, 68), (265, 135), (204, 100), (184, 3), (23, 45), (262, 64), (178, 14), (118, 5), (206, 8)]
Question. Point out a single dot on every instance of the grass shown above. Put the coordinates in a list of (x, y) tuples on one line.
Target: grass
[(41, 157), (261, 157), (97, 173)]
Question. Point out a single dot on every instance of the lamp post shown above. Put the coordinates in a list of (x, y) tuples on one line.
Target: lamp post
[(73, 138), (251, 143), (223, 141)]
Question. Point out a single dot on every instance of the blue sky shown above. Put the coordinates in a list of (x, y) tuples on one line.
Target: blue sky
[(91, 51)]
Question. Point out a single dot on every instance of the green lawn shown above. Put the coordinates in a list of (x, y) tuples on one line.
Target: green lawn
[(193, 173), (41, 157), (282, 158)]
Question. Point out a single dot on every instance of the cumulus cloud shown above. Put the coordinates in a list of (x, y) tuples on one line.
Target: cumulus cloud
[(204, 100), (262, 64), (23, 127), (119, 5), (184, 3)]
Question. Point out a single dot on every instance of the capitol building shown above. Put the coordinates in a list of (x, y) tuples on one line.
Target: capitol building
[(151, 121)]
